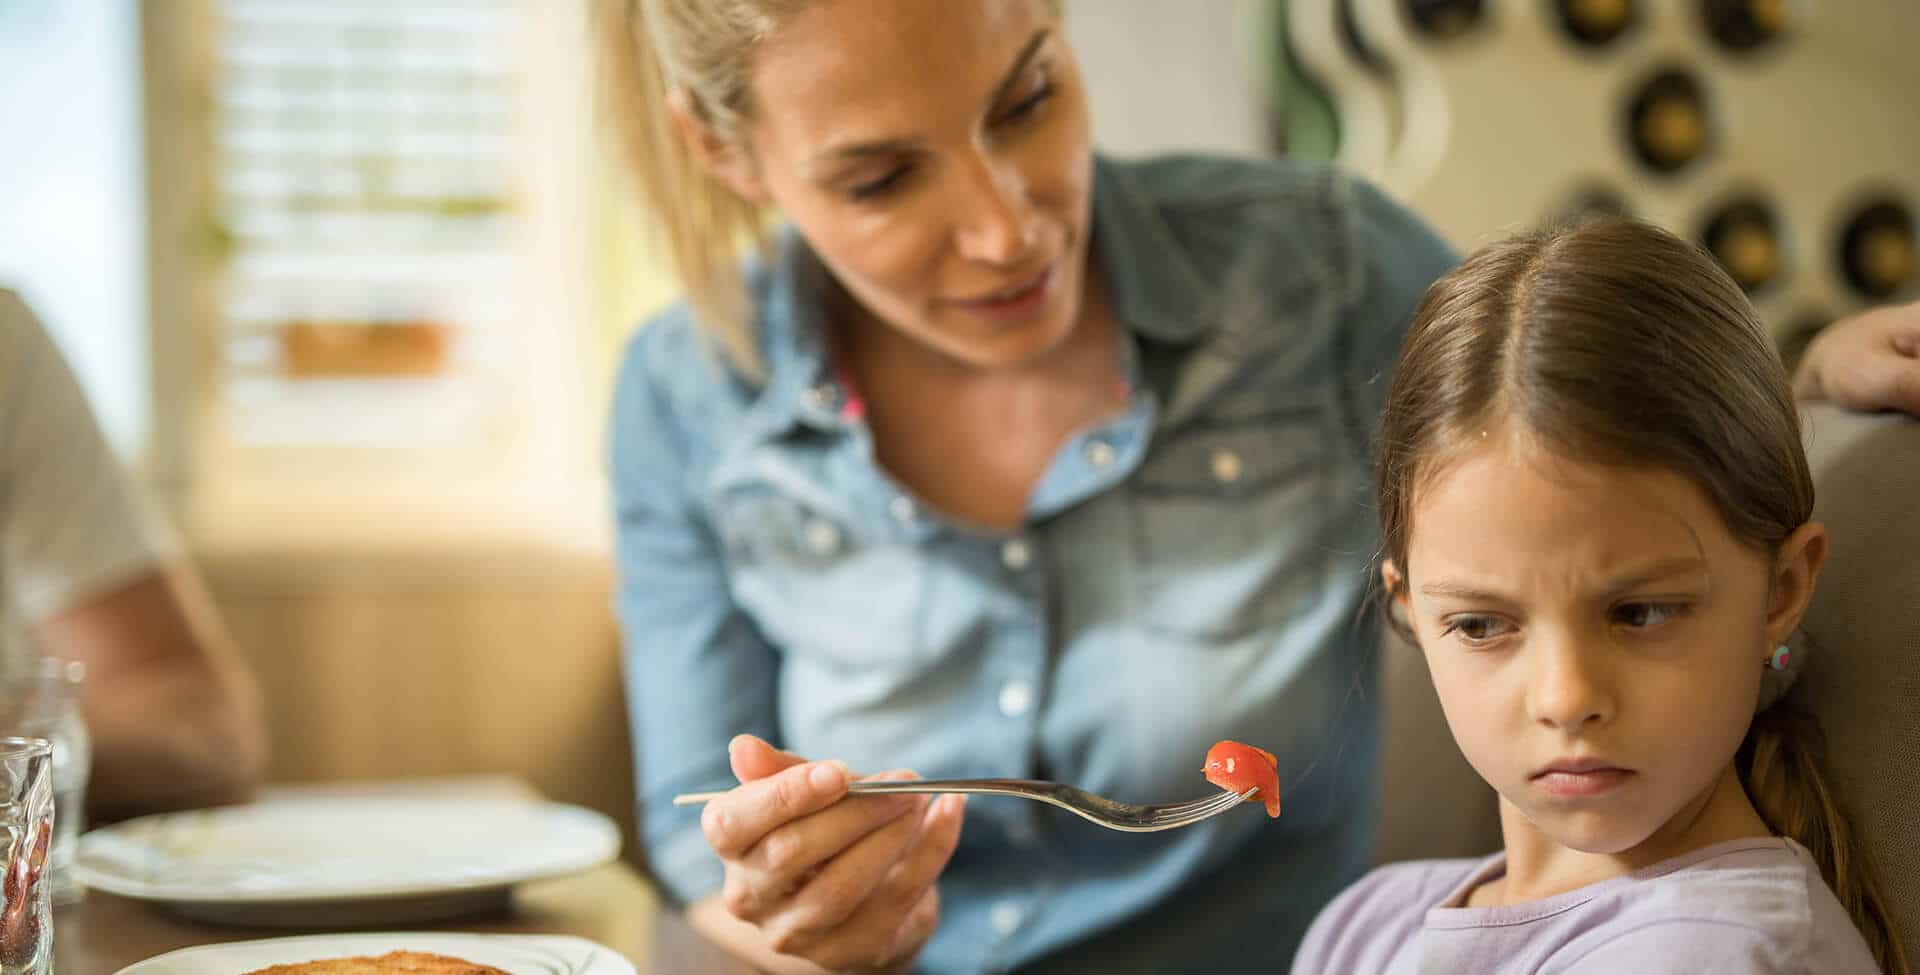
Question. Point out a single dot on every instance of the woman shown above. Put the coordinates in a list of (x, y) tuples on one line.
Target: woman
[(1008, 460)]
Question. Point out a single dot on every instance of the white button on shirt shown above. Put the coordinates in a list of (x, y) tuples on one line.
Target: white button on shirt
[(1016, 554), (1099, 453), (822, 537), (902, 509), (1020, 832), (1016, 697), (1226, 466), (1005, 917)]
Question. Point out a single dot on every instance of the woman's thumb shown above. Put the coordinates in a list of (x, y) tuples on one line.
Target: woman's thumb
[(752, 758)]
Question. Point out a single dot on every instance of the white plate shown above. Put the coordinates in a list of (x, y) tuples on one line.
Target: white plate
[(516, 954), (420, 857)]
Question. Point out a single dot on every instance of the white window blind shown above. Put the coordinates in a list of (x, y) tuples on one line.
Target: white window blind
[(362, 154)]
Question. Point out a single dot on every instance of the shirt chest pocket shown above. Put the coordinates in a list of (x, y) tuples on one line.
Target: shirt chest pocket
[(818, 586), (1231, 526)]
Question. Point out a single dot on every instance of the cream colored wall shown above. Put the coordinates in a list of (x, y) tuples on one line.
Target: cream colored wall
[(1167, 75), (1498, 129)]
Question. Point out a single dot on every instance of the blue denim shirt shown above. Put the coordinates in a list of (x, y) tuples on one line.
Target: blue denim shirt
[(1190, 571)]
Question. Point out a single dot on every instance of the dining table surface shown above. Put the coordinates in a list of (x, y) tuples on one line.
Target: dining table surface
[(611, 904)]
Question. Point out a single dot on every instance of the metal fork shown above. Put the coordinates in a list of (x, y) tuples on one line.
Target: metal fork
[(1099, 810)]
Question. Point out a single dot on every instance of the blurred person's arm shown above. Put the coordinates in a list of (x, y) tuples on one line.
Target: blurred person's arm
[(94, 576), (175, 720), (1868, 362)]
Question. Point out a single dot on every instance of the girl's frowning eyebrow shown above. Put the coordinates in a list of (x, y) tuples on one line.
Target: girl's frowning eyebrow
[(1660, 571)]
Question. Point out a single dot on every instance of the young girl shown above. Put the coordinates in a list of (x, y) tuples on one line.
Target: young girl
[(1597, 524)]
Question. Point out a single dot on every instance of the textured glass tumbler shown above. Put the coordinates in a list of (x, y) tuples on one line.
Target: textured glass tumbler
[(26, 844)]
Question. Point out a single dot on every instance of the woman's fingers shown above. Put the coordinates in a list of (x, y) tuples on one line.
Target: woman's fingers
[(754, 758), (736, 821), (764, 877), (841, 881), (843, 884), (901, 911)]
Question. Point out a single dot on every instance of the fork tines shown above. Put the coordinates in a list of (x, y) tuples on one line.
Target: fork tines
[(1200, 809)]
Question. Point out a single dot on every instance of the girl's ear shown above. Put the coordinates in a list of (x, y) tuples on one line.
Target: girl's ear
[(1796, 570), (1396, 584)]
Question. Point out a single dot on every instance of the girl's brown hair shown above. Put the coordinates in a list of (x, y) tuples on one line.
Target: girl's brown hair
[(1616, 342)]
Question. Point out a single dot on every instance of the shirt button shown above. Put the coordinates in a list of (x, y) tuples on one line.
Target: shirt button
[(1005, 917), (822, 537), (822, 397), (1226, 466), (902, 509), (1020, 832), (1016, 696), (1099, 453), (1016, 554)]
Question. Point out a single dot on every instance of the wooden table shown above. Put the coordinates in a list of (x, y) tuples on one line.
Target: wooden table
[(610, 904), (104, 933)]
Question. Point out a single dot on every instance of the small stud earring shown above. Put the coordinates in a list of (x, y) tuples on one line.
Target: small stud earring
[(1779, 658)]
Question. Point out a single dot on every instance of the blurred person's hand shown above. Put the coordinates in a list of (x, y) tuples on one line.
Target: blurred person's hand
[(847, 884), (1870, 361)]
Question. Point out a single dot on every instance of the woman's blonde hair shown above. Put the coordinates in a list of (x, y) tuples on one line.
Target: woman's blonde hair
[(699, 52), (1618, 342)]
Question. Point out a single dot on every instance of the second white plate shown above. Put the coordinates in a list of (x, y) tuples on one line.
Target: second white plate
[(316, 849)]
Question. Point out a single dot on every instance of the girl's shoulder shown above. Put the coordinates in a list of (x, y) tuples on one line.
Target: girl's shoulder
[(1748, 905), (1378, 920)]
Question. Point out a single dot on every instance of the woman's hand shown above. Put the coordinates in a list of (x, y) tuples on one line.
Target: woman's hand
[(847, 884), (1868, 362)]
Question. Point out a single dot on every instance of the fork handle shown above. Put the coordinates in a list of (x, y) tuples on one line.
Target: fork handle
[(898, 786)]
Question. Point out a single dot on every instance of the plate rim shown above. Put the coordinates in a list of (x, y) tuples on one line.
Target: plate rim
[(624, 965), (605, 849)]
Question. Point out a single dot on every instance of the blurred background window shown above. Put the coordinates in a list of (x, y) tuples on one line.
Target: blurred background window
[(72, 195), (366, 212), (373, 220)]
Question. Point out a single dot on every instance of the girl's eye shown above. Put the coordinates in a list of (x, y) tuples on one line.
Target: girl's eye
[(1474, 630), (1646, 615)]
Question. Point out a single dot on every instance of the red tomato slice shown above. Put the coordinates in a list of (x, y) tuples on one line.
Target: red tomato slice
[(1236, 768)]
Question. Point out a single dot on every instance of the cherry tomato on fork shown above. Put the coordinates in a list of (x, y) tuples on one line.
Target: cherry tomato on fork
[(1236, 768)]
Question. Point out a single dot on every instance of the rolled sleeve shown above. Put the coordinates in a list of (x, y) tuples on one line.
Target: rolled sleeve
[(73, 525), (697, 672)]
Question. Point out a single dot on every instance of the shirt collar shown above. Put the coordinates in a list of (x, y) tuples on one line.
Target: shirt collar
[(1152, 283), (792, 311)]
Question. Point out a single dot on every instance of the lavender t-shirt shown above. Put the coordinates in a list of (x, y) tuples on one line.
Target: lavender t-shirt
[(1752, 905)]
